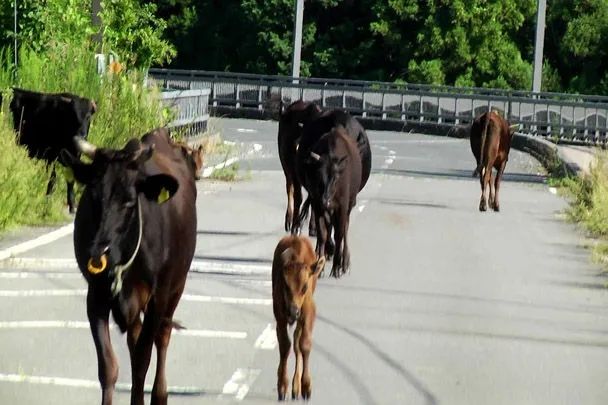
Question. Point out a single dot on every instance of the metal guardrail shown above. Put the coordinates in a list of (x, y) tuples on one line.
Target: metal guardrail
[(191, 109), (557, 116)]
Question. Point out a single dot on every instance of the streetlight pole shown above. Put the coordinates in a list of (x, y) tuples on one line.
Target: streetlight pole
[(538, 45), (297, 38), (15, 31)]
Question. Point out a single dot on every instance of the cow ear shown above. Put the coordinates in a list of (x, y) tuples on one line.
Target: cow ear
[(83, 172), (319, 265), (286, 255), (158, 188)]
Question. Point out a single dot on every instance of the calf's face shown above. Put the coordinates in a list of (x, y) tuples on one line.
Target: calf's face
[(298, 274)]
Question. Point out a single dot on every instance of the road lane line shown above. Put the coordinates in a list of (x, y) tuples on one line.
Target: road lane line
[(206, 333), (246, 130), (197, 266), (240, 382), (267, 339), (185, 297), (82, 383), (36, 242)]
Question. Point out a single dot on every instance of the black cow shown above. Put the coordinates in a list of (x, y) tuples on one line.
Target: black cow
[(332, 175), (291, 123), (134, 239), (46, 124), (313, 130)]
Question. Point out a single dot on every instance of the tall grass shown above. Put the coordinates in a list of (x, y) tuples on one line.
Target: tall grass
[(126, 109), (23, 184)]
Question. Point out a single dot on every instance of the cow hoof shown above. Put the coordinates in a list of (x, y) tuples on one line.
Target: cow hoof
[(482, 207), (496, 208)]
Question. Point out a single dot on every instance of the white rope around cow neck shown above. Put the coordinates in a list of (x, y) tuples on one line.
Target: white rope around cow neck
[(121, 268)]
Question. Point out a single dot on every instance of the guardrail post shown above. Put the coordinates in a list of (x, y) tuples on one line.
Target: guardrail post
[(549, 126), (344, 99), (438, 111), (383, 107), (421, 110), (213, 88), (456, 119), (237, 89), (363, 109), (323, 98), (402, 107)]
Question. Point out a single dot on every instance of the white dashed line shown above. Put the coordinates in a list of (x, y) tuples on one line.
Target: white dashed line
[(82, 383), (552, 190), (267, 339), (185, 297), (206, 333), (239, 383), (198, 266), (246, 130)]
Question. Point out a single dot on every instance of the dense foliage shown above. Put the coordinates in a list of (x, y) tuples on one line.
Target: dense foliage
[(456, 42)]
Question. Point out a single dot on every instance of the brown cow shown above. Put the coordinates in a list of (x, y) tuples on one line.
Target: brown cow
[(490, 144), (134, 239), (194, 156), (295, 270)]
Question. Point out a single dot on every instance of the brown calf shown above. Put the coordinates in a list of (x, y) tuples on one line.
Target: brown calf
[(295, 270), (490, 144)]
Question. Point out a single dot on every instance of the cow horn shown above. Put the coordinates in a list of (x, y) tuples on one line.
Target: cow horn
[(315, 156), (85, 147)]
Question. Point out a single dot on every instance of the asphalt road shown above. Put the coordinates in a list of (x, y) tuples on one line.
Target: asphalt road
[(443, 304)]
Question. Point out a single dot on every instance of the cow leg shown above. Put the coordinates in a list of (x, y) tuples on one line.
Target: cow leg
[(305, 347), (51, 184), (345, 250), (312, 225), (98, 310), (297, 203), (336, 269), (289, 212), (497, 180), (484, 178), (71, 198), (163, 336), (284, 348), (296, 387), (142, 352)]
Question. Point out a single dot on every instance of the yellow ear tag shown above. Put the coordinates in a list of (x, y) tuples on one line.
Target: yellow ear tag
[(163, 196)]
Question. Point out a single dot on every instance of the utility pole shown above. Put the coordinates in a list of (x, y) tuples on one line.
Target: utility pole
[(15, 31), (297, 38), (538, 45)]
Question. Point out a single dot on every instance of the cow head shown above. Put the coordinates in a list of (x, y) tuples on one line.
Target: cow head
[(325, 167), (300, 268), (117, 182), (295, 116)]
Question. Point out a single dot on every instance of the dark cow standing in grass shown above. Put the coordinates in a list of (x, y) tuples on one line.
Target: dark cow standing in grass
[(332, 174), (46, 124), (295, 269), (134, 239), (291, 122), (490, 143), (313, 130)]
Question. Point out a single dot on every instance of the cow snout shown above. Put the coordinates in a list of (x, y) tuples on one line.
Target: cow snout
[(293, 314)]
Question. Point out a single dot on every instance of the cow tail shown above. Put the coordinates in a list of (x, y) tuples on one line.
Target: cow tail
[(484, 134), (177, 325), (304, 210)]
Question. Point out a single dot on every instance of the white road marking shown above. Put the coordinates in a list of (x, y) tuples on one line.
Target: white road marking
[(206, 333), (389, 161), (552, 190), (240, 382), (257, 147), (246, 130), (209, 170), (35, 274), (267, 339), (361, 207), (198, 266), (392, 152), (185, 297), (37, 242), (82, 383)]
